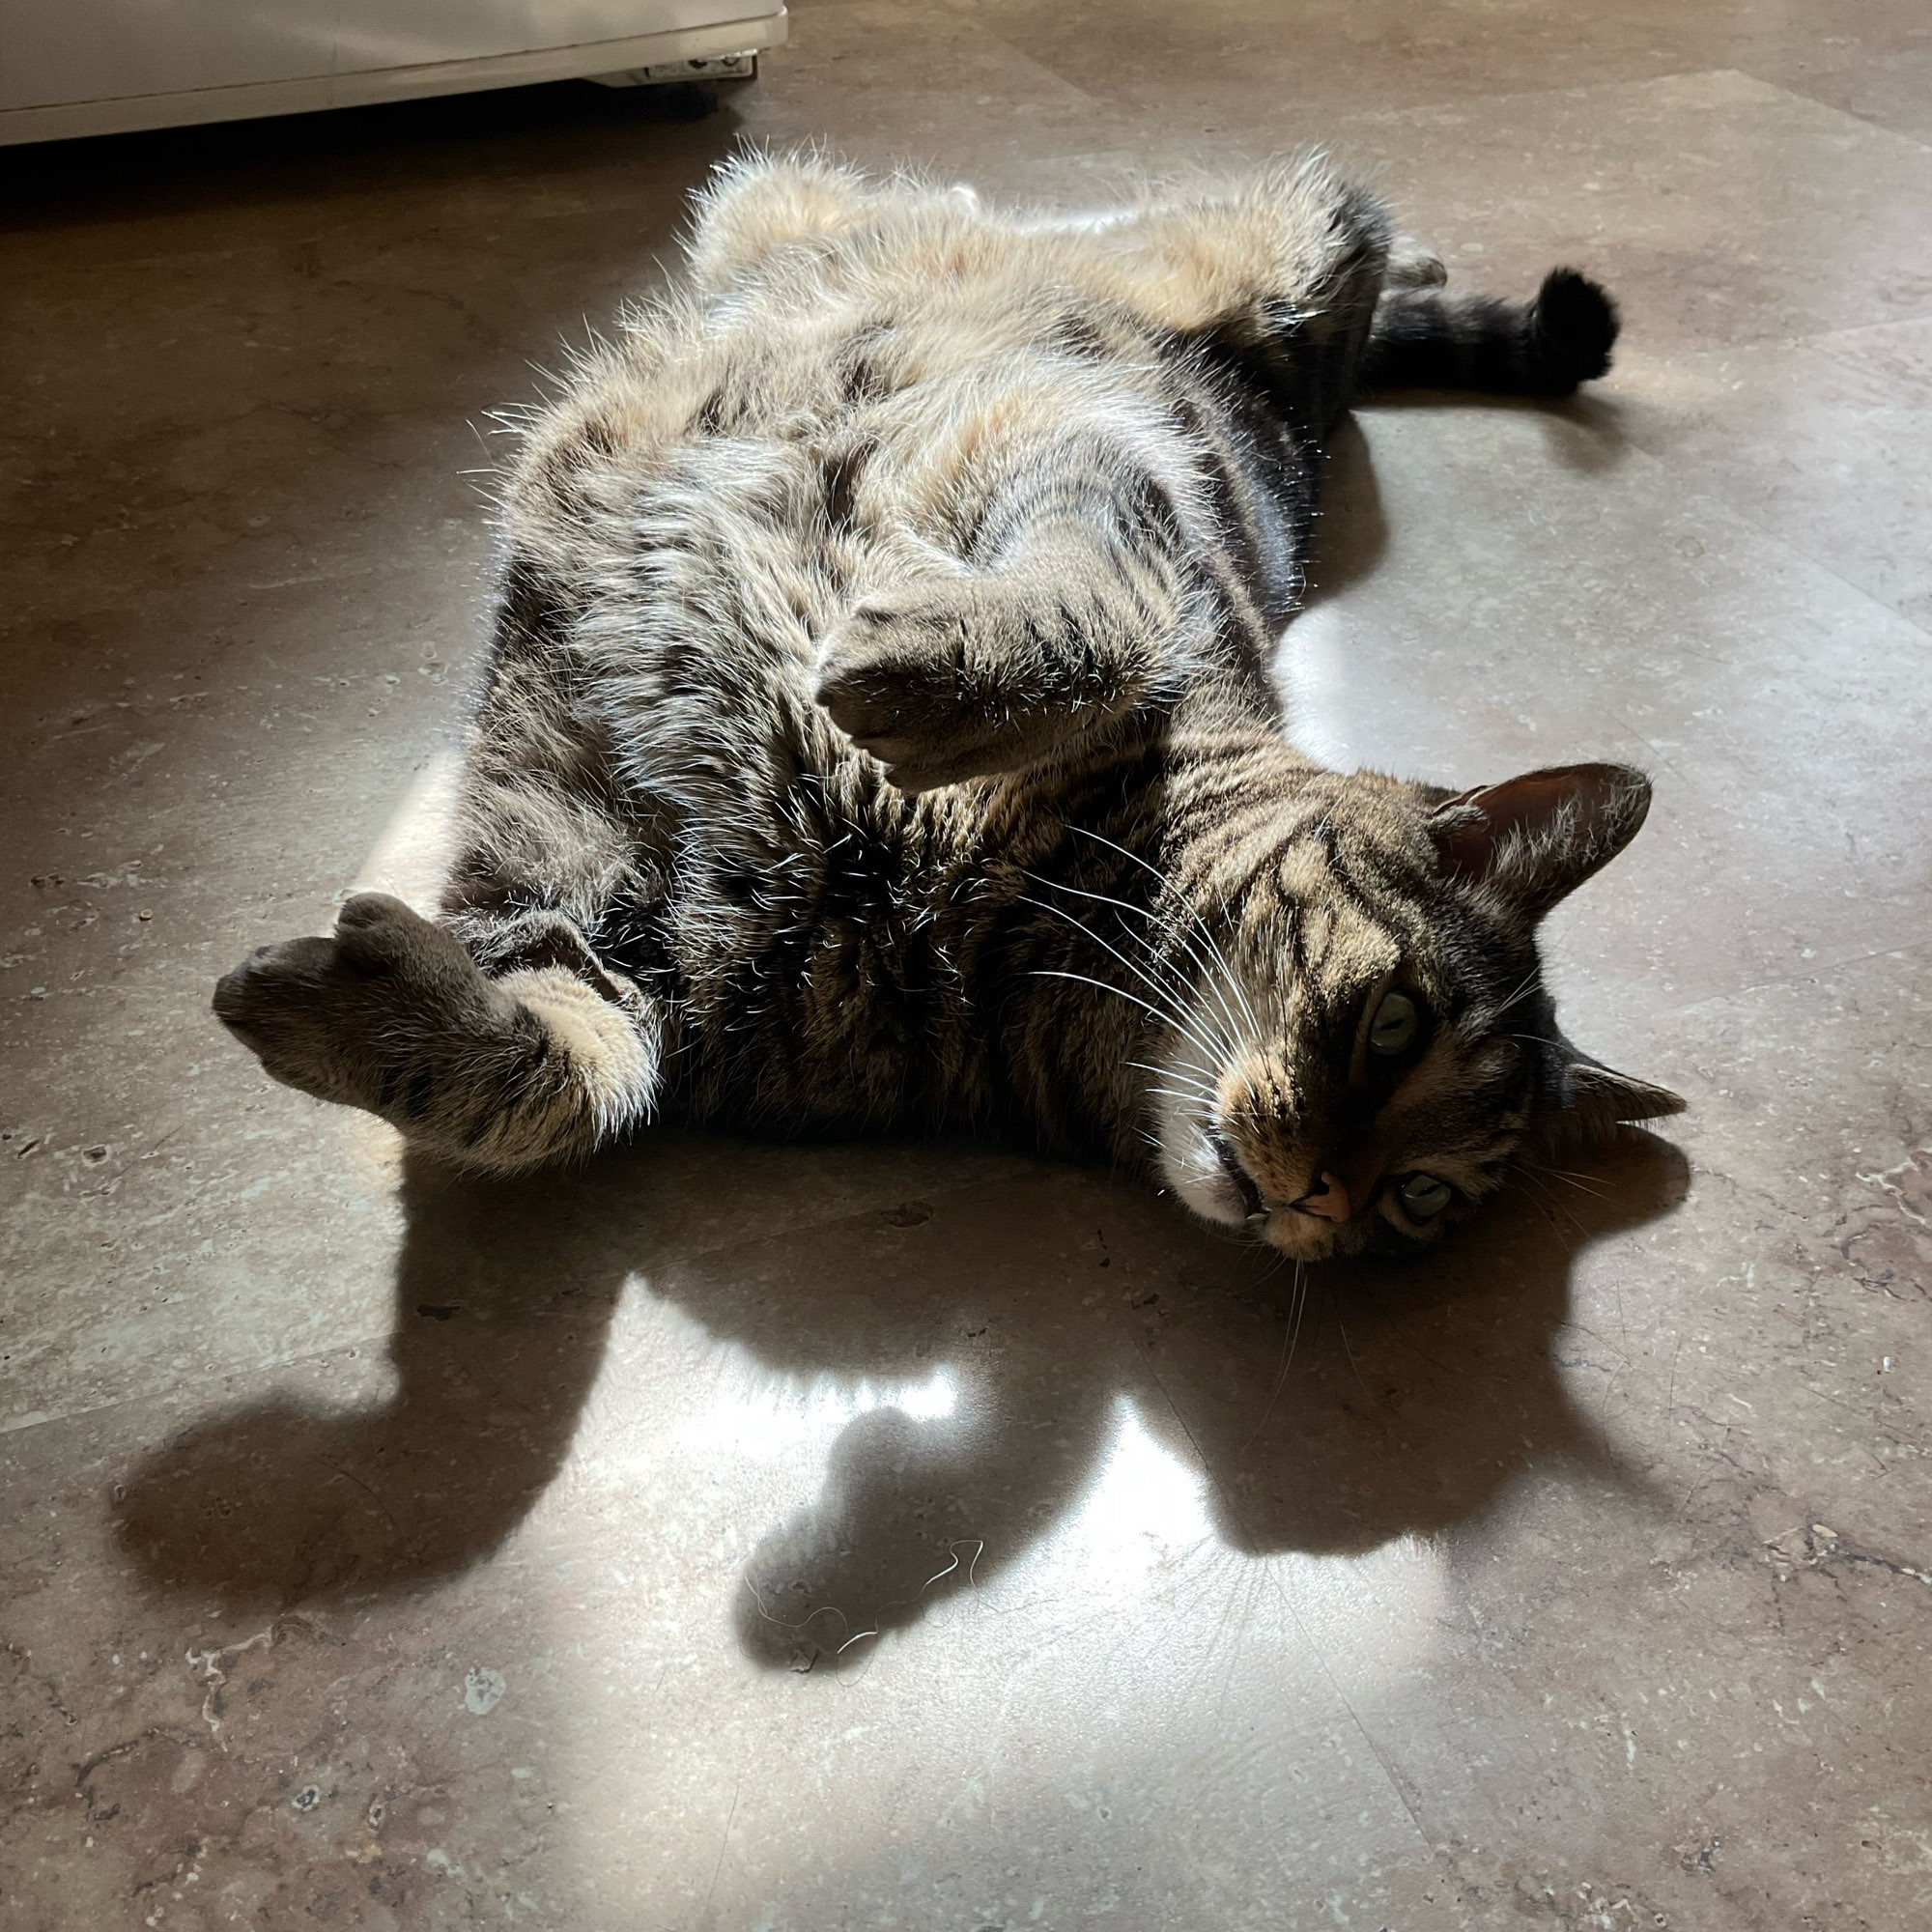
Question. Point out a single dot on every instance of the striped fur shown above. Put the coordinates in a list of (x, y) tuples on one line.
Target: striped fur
[(877, 733)]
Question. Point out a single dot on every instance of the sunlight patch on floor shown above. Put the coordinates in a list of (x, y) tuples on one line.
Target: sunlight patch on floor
[(411, 851), (787, 1415)]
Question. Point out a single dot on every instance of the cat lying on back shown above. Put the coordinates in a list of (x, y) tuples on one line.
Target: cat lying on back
[(877, 733)]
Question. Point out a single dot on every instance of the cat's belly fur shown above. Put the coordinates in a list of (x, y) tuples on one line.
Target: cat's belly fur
[(832, 952), (819, 939)]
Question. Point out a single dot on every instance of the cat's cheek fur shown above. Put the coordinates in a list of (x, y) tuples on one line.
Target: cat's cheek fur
[(1189, 1165)]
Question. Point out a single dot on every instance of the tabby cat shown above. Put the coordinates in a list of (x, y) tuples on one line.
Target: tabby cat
[(877, 730)]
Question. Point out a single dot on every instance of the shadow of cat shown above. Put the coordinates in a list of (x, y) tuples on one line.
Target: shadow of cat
[(1031, 1305), (1365, 1403)]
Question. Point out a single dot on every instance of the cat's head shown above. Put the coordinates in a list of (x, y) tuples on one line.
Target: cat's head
[(1368, 1045)]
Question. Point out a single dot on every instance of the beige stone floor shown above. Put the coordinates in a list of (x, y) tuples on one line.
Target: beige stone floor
[(734, 1536)]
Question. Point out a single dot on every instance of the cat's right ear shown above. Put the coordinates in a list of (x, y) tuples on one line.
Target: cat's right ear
[(1537, 837)]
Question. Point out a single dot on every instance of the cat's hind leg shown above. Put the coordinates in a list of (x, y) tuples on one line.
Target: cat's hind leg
[(754, 205), (392, 1014)]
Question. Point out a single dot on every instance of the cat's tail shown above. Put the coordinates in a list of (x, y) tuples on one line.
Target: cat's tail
[(1424, 338)]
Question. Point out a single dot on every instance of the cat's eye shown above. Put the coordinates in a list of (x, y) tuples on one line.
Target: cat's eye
[(1424, 1196), (1396, 1026)]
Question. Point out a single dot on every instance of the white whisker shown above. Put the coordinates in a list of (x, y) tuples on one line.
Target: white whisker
[(1210, 979), (1200, 1087), (1188, 1028), (1173, 1094), (1297, 1301), (1167, 886)]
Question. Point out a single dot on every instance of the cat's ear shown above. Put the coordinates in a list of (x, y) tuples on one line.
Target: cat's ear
[(1539, 837), (1590, 1101)]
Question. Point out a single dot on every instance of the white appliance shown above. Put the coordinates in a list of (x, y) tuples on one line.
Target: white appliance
[(103, 67)]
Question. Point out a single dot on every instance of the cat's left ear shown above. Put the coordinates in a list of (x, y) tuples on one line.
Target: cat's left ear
[(1592, 1100), (1537, 837)]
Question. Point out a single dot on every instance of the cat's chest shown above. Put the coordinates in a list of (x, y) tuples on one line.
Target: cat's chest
[(845, 996)]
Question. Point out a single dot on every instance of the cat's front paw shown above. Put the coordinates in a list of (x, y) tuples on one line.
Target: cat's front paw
[(350, 1018), (898, 677)]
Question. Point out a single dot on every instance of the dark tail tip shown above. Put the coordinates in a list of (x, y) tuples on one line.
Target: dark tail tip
[(1572, 328)]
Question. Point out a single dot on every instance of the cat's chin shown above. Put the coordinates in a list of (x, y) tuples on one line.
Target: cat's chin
[(1190, 1165)]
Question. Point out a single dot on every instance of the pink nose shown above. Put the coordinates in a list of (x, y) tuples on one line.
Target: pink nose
[(1329, 1199)]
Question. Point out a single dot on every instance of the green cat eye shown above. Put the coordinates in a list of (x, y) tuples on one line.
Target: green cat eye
[(1425, 1197), (1394, 1029)]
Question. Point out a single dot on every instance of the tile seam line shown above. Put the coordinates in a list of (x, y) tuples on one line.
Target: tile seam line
[(1695, 496), (1819, 970), (1376, 116), (1826, 339), (1778, 539), (1851, 113), (1365, 115)]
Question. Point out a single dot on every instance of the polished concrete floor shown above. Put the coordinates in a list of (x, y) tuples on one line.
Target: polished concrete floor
[(731, 1537)]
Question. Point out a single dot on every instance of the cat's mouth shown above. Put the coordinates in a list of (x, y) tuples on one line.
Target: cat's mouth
[(1312, 1226), (1205, 1165), (1203, 1161), (1247, 1190), (1329, 1199)]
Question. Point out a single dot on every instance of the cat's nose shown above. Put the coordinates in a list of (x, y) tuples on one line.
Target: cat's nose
[(1328, 1199)]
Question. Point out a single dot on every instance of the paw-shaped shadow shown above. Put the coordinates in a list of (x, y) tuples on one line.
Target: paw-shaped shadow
[(493, 1348)]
